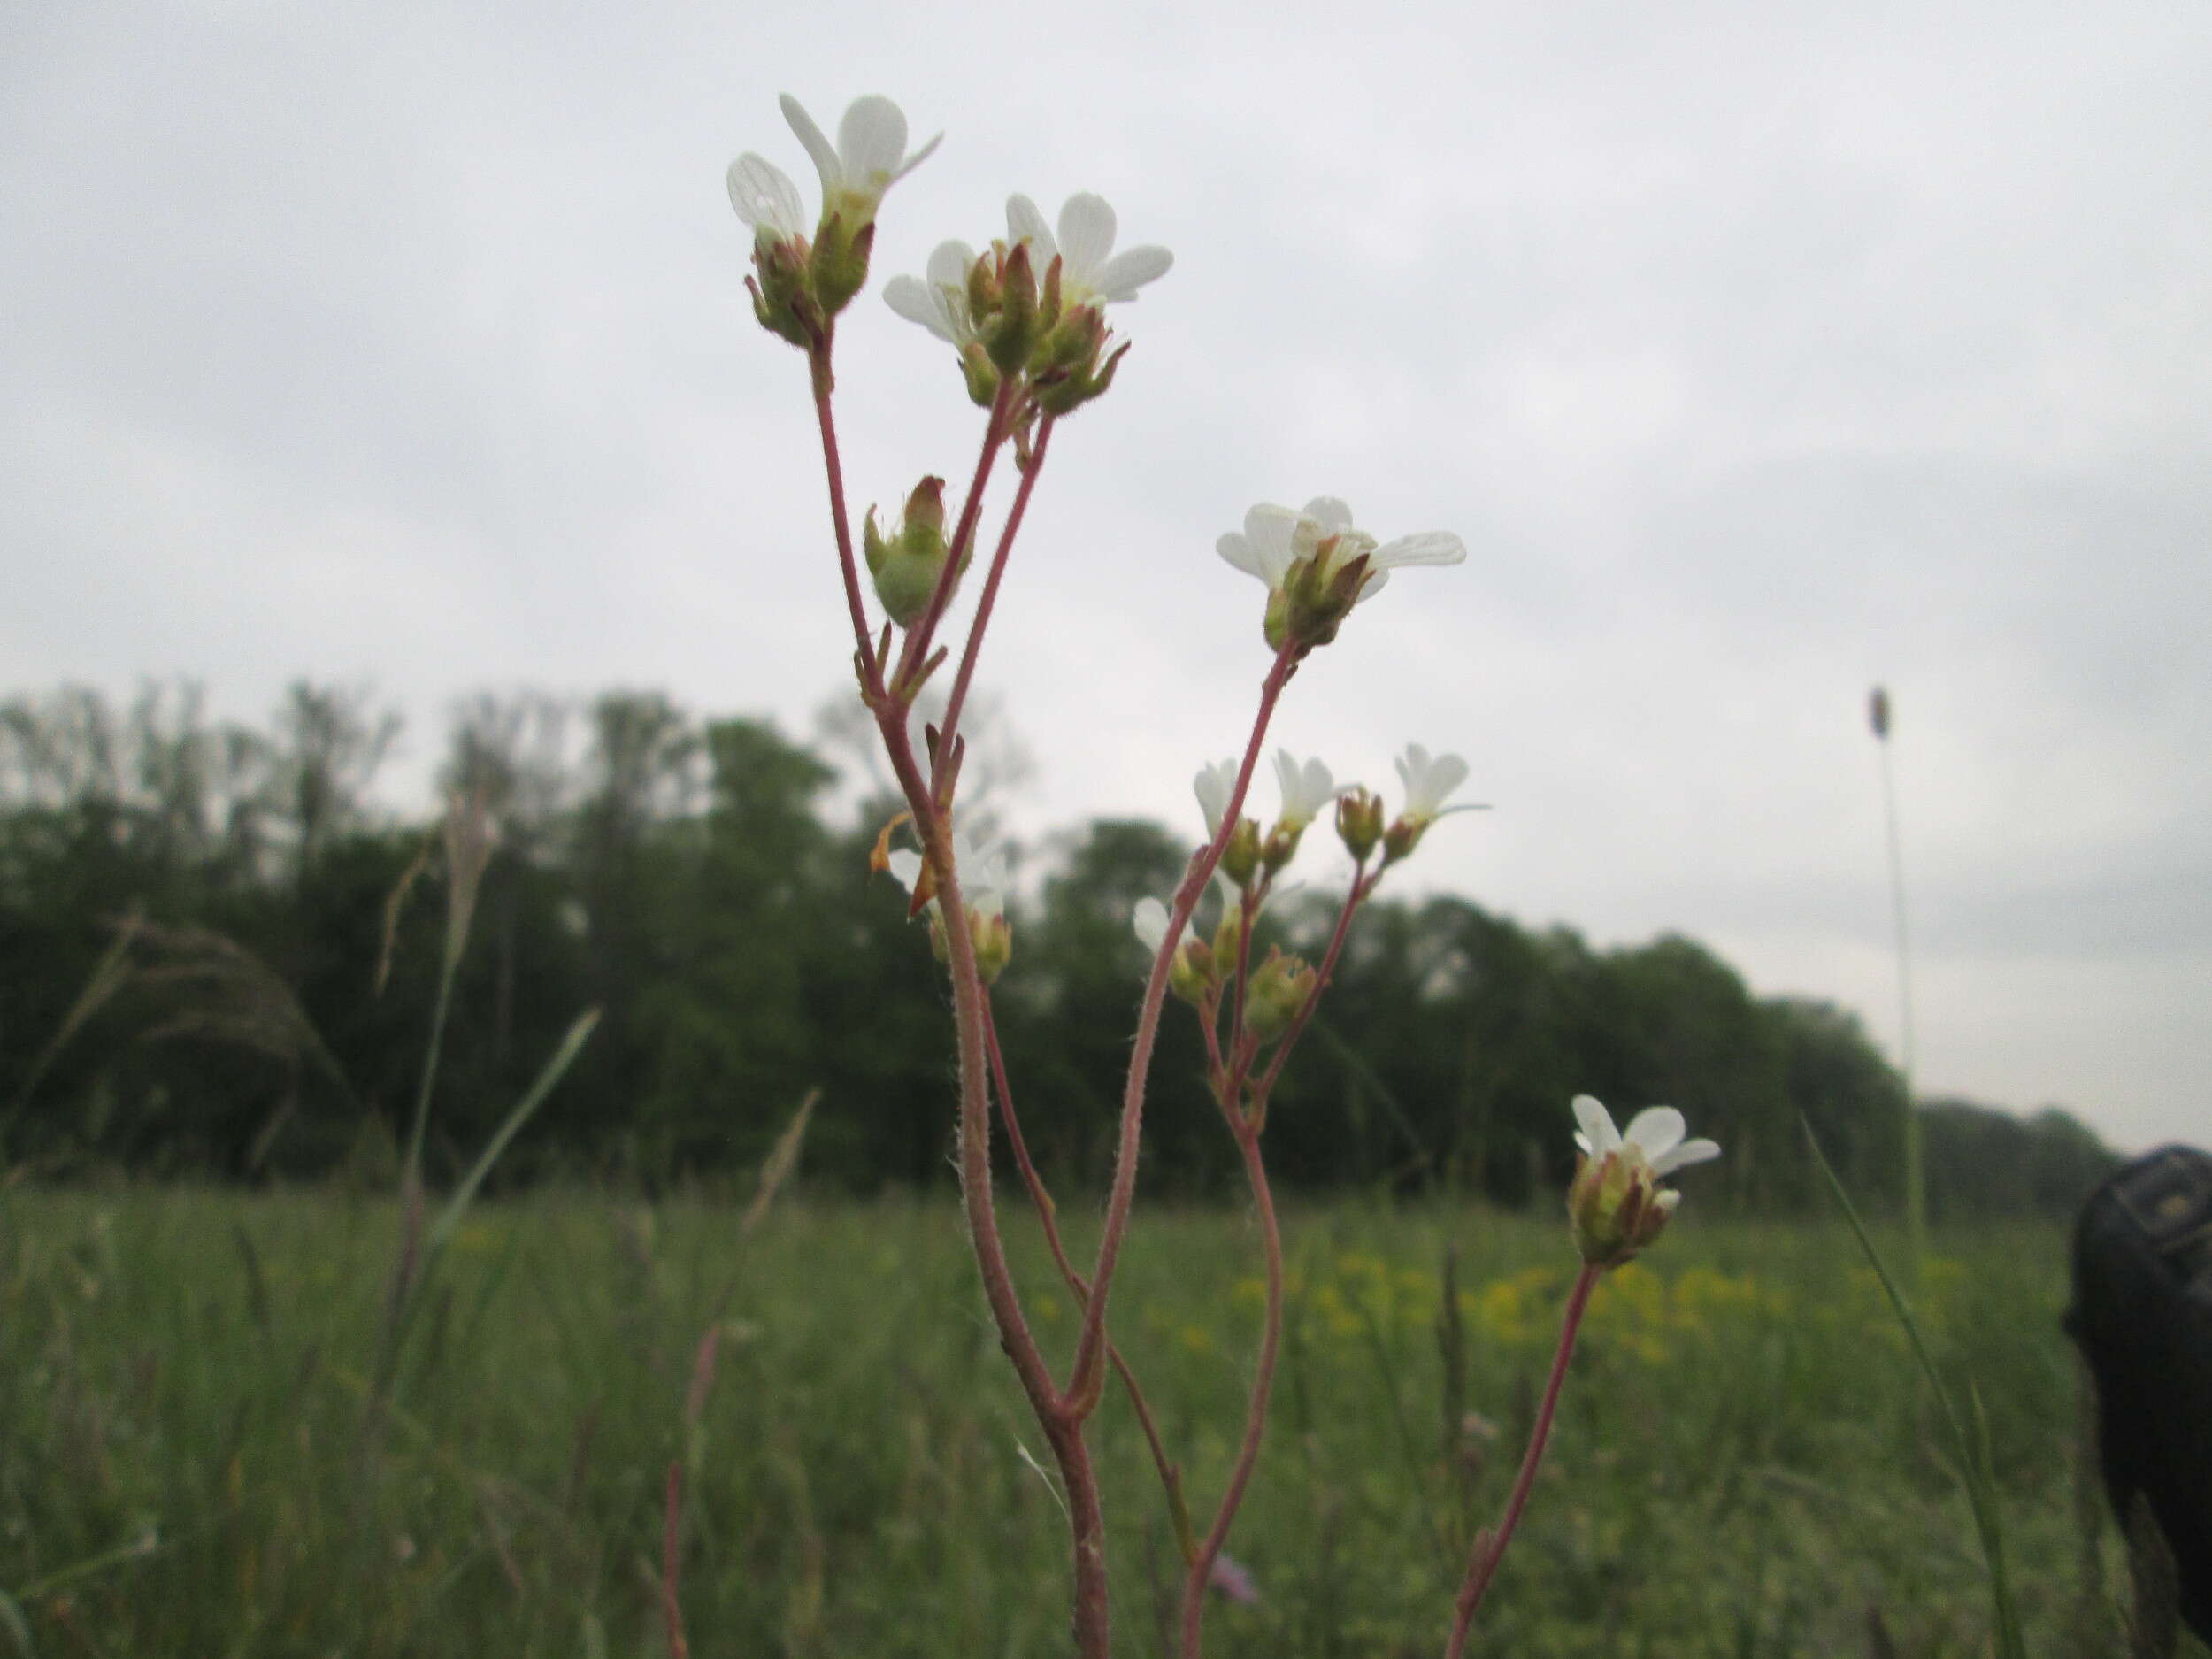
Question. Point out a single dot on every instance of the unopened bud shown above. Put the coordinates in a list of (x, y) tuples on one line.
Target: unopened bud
[(1278, 989), (907, 563), (1616, 1207), (993, 936), (1359, 822), (1240, 858), (1010, 332), (1281, 846)]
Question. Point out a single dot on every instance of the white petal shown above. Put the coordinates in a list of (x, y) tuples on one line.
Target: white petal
[(1121, 276), (1087, 235), (1667, 1199), (906, 864), (1273, 531), (917, 157), (1242, 554), (1025, 222), (871, 141), (1445, 774), (1597, 1126), (1150, 924), (1431, 547), (1582, 1141), (1331, 514), (1656, 1129), (1213, 786), (1688, 1153), (763, 198), (918, 302), (949, 264), (825, 161)]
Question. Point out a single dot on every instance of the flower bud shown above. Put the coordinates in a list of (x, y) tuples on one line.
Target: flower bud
[(1359, 822), (1281, 846), (1009, 333), (782, 300), (1240, 858), (1276, 992), (994, 938), (840, 264), (1616, 1207), (908, 563), (1190, 974), (980, 373)]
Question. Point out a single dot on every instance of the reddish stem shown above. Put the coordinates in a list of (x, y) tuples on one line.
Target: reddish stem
[(974, 647), (1125, 1185), (1361, 887), (994, 430), (870, 668), (1195, 1581), (1171, 1478), (1482, 1562), (672, 1611)]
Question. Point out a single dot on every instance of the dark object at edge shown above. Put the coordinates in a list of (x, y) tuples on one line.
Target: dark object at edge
[(2142, 1315)]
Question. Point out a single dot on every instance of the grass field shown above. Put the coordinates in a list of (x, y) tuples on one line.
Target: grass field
[(1746, 1461)]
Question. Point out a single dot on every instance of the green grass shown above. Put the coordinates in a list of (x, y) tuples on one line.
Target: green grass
[(1746, 1457)]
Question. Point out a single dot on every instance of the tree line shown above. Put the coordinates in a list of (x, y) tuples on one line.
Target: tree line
[(219, 958)]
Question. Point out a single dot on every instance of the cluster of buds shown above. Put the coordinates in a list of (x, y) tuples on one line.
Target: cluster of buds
[(799, 285), (1032, 307), (1616, 1207), (907, 562)]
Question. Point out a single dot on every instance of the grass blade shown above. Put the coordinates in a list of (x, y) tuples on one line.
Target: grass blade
[(1973, 1451), (563, 1056)]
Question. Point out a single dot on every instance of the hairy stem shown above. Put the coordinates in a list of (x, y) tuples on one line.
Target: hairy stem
[(974, 647), (871, 670), (1082, 1388), (1482, 1562), (918, 638), (1195, 1580)]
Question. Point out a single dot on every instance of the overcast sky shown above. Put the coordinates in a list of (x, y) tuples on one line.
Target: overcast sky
[(1757, 352)]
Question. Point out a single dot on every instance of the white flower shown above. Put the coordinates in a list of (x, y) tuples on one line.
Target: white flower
[(1306, 789), (1615, 1205), (1428, 780), (939, 303), (1654, 1135), (766, 199), (1150, 924), (1213, 787), (1090, 268), (982, 870), (1276, 540), (869, 159)]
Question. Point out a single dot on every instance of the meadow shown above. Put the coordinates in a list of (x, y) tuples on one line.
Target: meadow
[(1746, 1462)]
